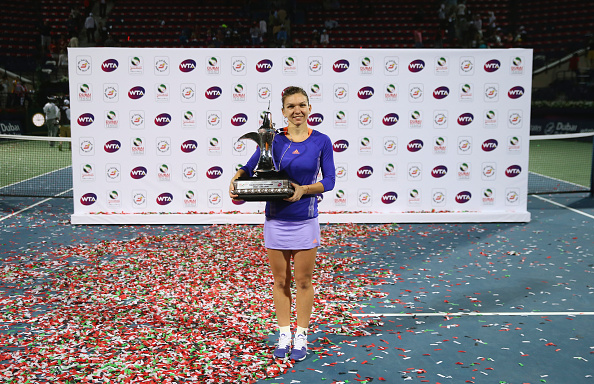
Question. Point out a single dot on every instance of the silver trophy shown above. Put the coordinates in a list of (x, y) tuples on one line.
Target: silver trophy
[(267, 183)]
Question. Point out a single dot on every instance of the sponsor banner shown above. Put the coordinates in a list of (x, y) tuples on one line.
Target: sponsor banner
[(411, 131)]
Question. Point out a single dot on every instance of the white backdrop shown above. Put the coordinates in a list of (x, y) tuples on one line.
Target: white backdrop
[(419, 135)]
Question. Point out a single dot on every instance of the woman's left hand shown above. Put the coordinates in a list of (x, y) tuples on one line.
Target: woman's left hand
[(299, 192)]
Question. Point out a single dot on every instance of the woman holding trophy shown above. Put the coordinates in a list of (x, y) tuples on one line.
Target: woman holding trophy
[(291, 228)]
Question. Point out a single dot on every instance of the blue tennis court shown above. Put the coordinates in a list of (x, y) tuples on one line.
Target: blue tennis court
[(438, 303)]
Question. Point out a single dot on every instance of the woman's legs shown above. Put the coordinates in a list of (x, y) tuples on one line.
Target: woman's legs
[(280, 264), (305, 261)]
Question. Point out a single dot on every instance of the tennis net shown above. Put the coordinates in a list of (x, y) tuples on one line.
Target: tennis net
[(32, 166), (561, 163), (35, 166)]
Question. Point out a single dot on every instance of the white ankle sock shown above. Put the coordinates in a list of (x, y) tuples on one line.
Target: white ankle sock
[(301, 330), (285, 330)]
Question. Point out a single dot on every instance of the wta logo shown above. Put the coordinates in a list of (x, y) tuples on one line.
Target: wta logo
[(213, 93), (439, 171), (340, 146), (364, 172), (416, 65), (465, 118), (189, 146), (264, 65), (365, 93), (187, 65), (109, 65), (214, 172), (239, 119), (315, 119), (85, 119), (390, 119), (112, 146), (515, 92), (164, 198), (163, 119), (492, 65), (415, 145), (389, 197), (441, 92), (136, 93), (88, 199), (513, 171), (463, 197), (340, 65), (138, 173), (489, 145)]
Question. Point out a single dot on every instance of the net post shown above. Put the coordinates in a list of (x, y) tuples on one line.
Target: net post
[(592, 171)]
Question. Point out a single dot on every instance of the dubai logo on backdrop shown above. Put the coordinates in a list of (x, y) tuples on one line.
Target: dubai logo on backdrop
[(315, 65), (315, 92), (83, 65), (340, 198), (464, 145), (341, 93), (514, 119), (492, 92), (391, 66), (163, 146), (239, 65), (188, 119), (214, 146), (163, 173), (213, 66), (109, 65), (289, 65), (440, 119), (111, 119), (188, 92), (391, 93), (189, 172), (489, 171), (415, 171), (87, 172), (137, 146), (463, 171), (365, 119), (84, 92), (415, 119), (389, 171), (488, 196), (135, 65), (112, 173), (366, 65), (365, 145), (441, 66), (414, 196), (342, 172), (415, 93), (238, 92), (213, 119), (467, 66), (187, 65), (162, 92), (137, 119), (189, 199), (466, 92), (161, 65), (517, 66), (340, 119), (139, 199), (390, 145), (439, 145), (490, 118), (264, 92)]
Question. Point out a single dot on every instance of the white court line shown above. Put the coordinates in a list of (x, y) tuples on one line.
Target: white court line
[(34, 205), (559, 180), (565, 206), (34, 177), (455, 314)]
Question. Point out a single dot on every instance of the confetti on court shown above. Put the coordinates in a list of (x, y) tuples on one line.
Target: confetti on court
[(193, 306)]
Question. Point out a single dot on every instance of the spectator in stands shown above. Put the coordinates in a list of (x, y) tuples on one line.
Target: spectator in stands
[(63, 58), (324, 38), (46, 36), (52, 119), (90, 26), (330, 24), (574, 64), (281, 37), (73, 43), (255, 34), (102, 8), (491, 25), (263, 30), (20, 92), (4, 85), (418, 38), (65, 126), (315, 37), (441, 16)]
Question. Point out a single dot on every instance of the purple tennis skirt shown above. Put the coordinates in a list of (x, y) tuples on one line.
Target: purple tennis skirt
[(291, 235)]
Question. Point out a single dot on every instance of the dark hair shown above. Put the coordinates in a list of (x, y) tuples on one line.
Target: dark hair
[(293, 91)]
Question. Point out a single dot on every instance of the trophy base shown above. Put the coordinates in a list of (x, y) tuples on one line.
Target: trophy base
[(264, 187)]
